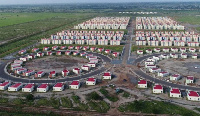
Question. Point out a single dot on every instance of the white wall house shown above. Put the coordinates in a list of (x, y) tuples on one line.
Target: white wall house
[(65, 73), (43, 87), (40, 74), (15, 87), (142, 84), (77, 70), (75, 85), (175, 77), (174, 92), (28, 88), (157, 88), (193, 96), (189, 79), (107, 75), (140, 52), (58, 87), (154, 70), (91, 81), (5, 85), (163, 74)]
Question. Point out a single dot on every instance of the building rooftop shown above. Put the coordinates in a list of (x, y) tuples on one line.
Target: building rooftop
[(43, 86), (75, 83), (142, 82), (16, 85), (4, 83), (58, 85), (30, 85)]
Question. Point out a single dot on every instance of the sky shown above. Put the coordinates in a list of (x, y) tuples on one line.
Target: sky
[(8, 2)]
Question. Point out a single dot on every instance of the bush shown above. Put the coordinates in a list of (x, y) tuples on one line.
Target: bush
[(93, 96), (30, 97), (112, 98), (76, 98), (126, 94), (3, 100), (18, 101), (100, 106), (66, 102)]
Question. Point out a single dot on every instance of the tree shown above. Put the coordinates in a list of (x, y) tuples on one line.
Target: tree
[(30, 97)]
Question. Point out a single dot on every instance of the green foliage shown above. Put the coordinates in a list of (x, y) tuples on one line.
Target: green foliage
[(155, 107), (66, 102), (18, 101), (100, 106), (52, 102), (126, 94), (110, 97), (29, 97), (3, 100), (76, 98), (93, 96)]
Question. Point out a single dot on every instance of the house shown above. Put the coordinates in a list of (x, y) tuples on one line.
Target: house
[(28, 88), (156, 58), (91, 81), (92, 49), (68, 52), (107, 75), (115, 54), (142, 84), (35, 49), (193, 96), (15, 87), (45, 48), (70, 47), (165, 50), (65, 72), (164, 56), (77, 70), (93, 57), (149, 51), (43, 87), (75, 53), (175, 77), (150, 66), (5, 85), (183, 55), (18, 61), (174, 49), (91, 64), (78, 47), (157, 50), (54, 48), (89, 55), (149, 63), (183, 50), (15, 64), (31, 56), (16, 67), (173, 55), (83, 54), (100, 49), (107, 51), (58, 53), (49, 53), (174, 92), (58, 87), (40, 54), (86, 48), (192, 50), (157, 88), (29, 73), (22, 52), (63, 47), (75, 85), (189, 79), (24, 59), (194, 56), (40, 74), (52, 74), (154, 70), (20, 71), (140, 52), (94, 61), (85, 67), (163, 74)]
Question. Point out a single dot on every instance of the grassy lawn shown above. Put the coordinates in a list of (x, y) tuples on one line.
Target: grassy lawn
[(66, 102), (109, 96), (194, 20), (156, 107)]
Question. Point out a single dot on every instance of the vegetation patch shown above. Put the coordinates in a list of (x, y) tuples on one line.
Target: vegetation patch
[(109, 96)]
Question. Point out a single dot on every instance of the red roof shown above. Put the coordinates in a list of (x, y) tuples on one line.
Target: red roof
[(29, 85), (40, 72), (107, 74), (4, 84), (65, 70), (176, 75), (16, 85), (142, 82), (43, 86), (58, 85), (52, 72), (193, 94), (76, 69), (176, 91), (190, 78), (91, 79), (75, 83), (158, 87)]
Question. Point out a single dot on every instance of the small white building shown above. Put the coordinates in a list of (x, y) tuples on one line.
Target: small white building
[(15, 87), (154, 70), (75, 85), (189, 79), (150, 66), (175, 77), (142, 84), (149, 51), (107, 51), (77, 70), (165, 50), (140, 52), (28, 88), (194, 56), (183, 55), (65, 72), (149, 63), (174, 92), (91, 64), (85, 67), (91, 81), (192, 50), (107, 75), (40, 54), (157, 50), (193, 96), (164, 56), (163, 74), (5, 85), (183, 50), (68, 52), (157, 88), (40, 74), (174, 49), (43, 87), (58, 87)]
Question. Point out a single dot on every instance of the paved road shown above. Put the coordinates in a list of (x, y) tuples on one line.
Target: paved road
[(169, 84), (14, 79)]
